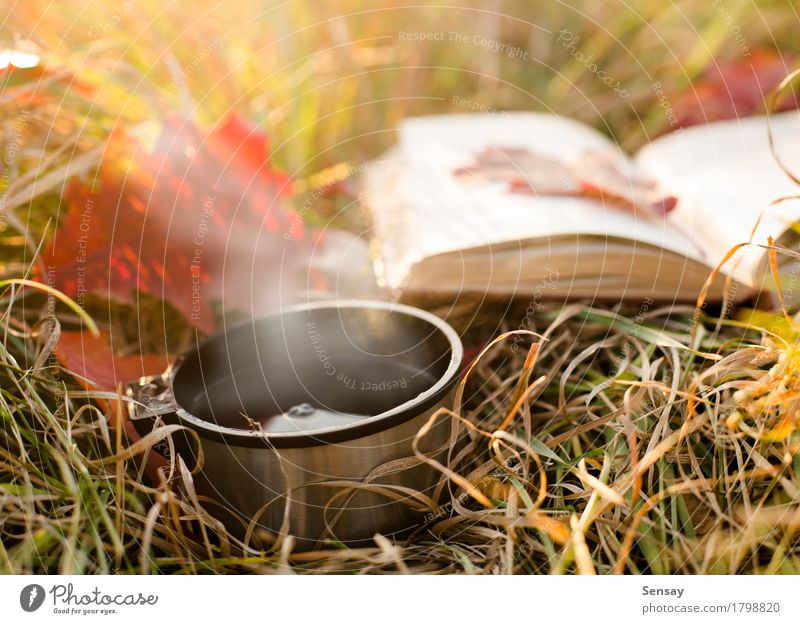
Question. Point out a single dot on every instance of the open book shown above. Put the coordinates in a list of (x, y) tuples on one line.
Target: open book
[(508, 203)]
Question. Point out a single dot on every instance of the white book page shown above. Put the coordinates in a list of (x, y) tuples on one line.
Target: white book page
[(450, 214), (725, 176)]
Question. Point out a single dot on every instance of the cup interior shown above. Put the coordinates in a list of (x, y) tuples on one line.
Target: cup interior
[(311, 369)]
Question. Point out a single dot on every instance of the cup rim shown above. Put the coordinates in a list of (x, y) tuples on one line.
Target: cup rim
[(342, 433)]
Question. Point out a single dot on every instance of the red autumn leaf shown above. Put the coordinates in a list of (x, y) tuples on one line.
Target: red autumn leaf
[(732, 90), (196, 217), (595, 175), (91, 357)]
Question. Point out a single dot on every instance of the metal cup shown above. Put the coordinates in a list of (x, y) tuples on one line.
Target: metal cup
[(298, 407)]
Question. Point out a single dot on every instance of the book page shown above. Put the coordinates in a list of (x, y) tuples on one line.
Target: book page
[(725, 177), (450, 211)]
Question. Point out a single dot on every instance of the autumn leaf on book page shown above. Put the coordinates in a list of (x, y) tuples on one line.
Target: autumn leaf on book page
[(608, 179), (189, 218), (524, 170), (595, 175)]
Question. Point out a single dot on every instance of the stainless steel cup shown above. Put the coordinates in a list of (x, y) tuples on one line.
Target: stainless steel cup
[(298, 407)]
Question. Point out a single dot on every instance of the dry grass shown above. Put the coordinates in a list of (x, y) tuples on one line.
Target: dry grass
[(604, 448)]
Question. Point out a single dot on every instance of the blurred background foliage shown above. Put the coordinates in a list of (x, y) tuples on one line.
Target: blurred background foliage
[(329, 81)]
